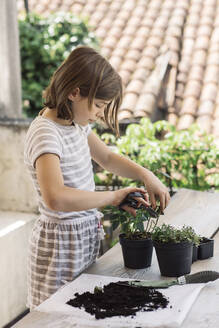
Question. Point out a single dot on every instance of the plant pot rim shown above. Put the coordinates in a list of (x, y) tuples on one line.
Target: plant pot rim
[(172, 244), (205, 240), (122, 236)]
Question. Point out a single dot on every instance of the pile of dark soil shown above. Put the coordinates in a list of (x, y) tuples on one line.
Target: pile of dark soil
[(118, 300)]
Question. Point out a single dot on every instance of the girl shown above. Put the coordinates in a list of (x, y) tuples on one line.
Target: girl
[(58, 151)]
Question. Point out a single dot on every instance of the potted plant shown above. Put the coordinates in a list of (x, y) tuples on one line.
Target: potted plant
[(205, 248), (194, 253), (195, 247), (174, 249), (135, 234)]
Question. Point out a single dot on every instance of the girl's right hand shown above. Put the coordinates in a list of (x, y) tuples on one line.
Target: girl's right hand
[(120, 195)]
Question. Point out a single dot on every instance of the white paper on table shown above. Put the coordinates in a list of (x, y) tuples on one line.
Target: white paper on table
[(180, 299)]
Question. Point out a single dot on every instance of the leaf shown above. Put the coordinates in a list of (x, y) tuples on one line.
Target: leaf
[(140, 226), (115, 225)]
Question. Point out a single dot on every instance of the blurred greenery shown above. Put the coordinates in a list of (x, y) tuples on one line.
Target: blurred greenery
[(44, 44), (181, 159)]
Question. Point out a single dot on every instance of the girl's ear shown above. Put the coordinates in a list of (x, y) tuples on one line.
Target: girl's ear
[(75, 95)]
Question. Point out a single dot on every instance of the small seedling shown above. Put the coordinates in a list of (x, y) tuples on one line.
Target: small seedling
[(169, 234), (137, 227)]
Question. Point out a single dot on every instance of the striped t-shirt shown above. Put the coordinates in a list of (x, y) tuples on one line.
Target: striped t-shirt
[(70, 144)]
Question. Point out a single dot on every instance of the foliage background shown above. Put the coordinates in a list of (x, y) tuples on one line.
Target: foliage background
[(181, 159), (44, 44)]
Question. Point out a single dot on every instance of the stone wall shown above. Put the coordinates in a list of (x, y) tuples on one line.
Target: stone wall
[(16, 188), (15, 230), (10, 77), (17, 196)]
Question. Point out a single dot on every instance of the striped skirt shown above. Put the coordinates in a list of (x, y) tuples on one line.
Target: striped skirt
[(59, 251)]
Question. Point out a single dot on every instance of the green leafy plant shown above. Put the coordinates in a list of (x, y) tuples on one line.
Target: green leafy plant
[(137, 227), (181, 159), (44, 44), (169, 234)]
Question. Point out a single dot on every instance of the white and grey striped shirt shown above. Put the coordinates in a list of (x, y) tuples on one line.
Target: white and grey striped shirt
[(70, 144)]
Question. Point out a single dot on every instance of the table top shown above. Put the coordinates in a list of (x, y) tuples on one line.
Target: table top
[(198, 209)]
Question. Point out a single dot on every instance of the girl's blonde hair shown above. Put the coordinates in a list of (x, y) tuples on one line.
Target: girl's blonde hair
[(87, 70)]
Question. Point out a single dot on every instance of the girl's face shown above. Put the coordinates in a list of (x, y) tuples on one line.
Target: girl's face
[(82, 115)]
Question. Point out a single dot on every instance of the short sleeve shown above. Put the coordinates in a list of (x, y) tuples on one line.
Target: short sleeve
[(42, 139), (87, 129)]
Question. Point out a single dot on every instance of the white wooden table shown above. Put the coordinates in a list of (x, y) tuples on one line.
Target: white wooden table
[(198, 209)]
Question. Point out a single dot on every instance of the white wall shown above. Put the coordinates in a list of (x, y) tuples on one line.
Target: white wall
[(16, 188), (10, 77), (18, 208), (15, 229)]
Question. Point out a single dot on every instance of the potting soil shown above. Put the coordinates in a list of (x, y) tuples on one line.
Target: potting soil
[(117, 300)]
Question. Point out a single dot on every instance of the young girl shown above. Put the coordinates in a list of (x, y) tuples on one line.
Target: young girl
[(58, 151)]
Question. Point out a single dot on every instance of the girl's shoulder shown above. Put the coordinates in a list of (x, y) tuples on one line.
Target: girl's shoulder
[(43, 129), (40, 121), (42, 137), (48, 128), (41, 124)]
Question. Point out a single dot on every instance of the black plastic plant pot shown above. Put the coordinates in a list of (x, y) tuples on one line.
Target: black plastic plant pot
[(194, 253), (205, 248), (137, 254), (174, 259)]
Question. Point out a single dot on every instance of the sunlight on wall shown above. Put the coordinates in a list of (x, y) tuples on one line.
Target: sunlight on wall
[(11, 227)]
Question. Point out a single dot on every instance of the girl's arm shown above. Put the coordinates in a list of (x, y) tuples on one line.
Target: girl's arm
[(124, 167), (59, 197)]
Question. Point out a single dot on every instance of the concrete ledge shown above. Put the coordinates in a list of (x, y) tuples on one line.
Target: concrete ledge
[(15, 229), (15, 122), (17, 192)]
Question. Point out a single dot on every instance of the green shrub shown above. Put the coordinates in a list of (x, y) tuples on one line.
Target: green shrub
[(44, 44), (169, 234), (181, 159)]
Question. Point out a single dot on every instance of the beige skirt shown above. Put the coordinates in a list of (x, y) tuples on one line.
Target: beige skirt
[(59, 251)]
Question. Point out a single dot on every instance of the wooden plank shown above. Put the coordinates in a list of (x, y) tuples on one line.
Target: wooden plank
[(201, 210), (211, 263), (204, 312), (111, 264), (36, 319), (198, 209), (195, 208)]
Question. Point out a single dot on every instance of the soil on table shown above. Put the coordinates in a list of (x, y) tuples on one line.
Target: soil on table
[(117, 300)]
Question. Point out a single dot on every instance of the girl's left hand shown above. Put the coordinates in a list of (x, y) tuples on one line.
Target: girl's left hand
[(156, 189)]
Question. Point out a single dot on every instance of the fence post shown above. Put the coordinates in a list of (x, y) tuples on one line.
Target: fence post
[(10, 77)]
